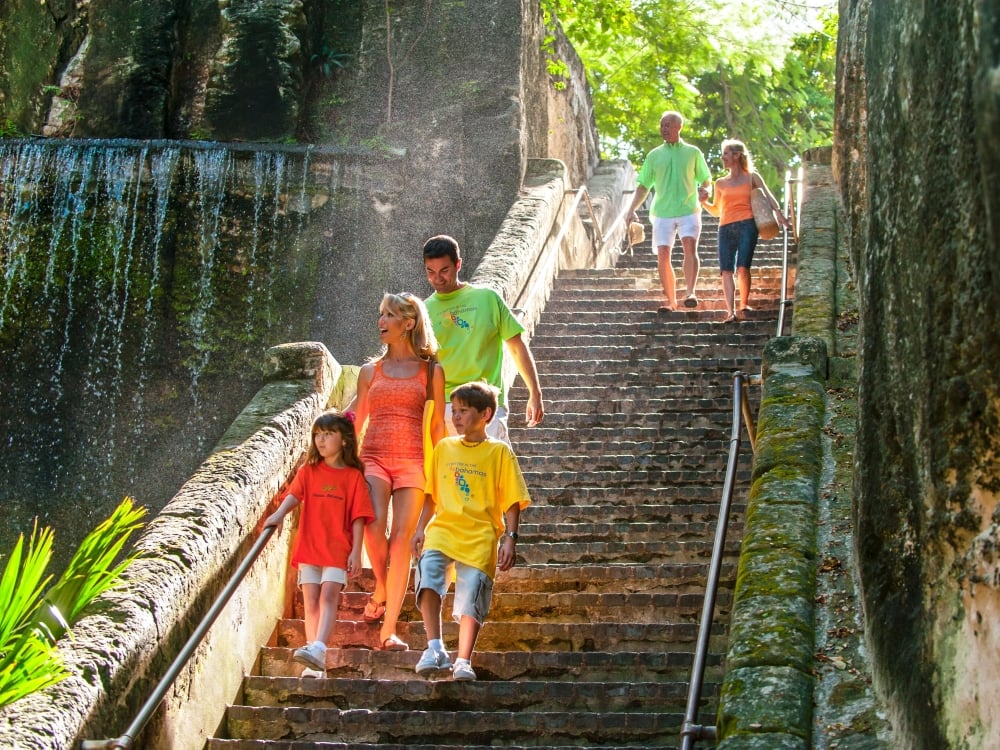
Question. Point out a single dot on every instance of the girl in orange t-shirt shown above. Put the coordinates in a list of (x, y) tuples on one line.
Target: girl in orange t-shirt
[(392, 389), (336, 506)]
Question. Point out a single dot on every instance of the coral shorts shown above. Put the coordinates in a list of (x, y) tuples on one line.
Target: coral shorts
[(397, 473)]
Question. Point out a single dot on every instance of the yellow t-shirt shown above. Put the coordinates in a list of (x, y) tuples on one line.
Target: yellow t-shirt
[(472, 488)]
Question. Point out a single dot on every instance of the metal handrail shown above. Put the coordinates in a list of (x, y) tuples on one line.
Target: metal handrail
[(152, 703), (792, 213), (691, 730), (582, 192)]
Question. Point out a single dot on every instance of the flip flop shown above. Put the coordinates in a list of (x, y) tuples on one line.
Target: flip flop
[(373, 610), (394, 643), (691, 301), (731, 319)]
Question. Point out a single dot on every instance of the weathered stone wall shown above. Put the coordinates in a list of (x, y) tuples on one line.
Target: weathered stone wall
[(459, 90), (186, 555), (918, 161)]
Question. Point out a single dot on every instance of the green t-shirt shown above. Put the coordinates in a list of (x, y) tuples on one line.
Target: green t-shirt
[(673, 172), (471, 325)]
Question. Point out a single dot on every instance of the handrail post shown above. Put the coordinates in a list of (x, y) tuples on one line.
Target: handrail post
[(124, 742), (791, 210), (692, 731)]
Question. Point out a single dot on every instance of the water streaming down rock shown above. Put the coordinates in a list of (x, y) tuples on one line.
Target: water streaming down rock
[(141, 283)]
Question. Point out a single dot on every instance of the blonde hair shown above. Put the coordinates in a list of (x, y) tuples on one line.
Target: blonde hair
[(745, 161), (411, 307)]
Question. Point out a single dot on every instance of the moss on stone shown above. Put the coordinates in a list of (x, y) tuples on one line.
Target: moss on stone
[(782, 571), (772, 631), (766, 700)]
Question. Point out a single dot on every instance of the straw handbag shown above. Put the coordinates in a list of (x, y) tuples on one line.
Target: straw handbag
[(763, 215)]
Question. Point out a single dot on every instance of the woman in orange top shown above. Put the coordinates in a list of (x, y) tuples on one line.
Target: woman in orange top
[(392, 389), (737, 228)]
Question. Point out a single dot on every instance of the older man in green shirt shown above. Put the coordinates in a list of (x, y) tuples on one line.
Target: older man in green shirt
[(678, 175)]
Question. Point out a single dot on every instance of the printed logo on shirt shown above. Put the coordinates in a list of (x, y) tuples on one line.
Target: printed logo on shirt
[(463, 486), (458, 321)]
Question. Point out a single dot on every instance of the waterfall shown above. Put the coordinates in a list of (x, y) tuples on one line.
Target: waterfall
[(141, 282)]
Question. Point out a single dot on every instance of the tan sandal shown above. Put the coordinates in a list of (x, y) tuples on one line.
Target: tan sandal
[(373, 610), (394, 643)]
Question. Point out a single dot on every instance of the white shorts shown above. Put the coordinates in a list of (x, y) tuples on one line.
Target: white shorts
[(666, 230), (319, 575)]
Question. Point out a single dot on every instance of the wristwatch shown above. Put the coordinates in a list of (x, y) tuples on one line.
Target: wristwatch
[(511, 534)]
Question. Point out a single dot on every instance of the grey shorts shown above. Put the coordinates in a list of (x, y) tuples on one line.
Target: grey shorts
[(473, 588)]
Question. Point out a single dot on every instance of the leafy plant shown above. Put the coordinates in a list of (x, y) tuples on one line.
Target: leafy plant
[(327, 59), (9, 130), (30, 623)]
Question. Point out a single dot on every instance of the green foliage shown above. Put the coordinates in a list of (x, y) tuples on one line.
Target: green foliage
[(328, 59), (751, 70), (30, 623), (9, 129)]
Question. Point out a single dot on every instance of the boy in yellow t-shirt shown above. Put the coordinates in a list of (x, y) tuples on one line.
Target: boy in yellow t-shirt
[(473, 498)]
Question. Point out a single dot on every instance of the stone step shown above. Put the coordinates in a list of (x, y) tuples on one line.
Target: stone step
[(497, 635), (539, 519), (560, 466), (599, 496), (717, 382), (628, 404), (223, 744), (621, 551), (625, 352), (598, 290), (647, 367), (461, 728), (678, 601), (621, 578), (420, 694), (655, 665), (641, 325)]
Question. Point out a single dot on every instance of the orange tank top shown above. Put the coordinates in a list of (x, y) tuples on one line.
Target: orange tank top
[(734, 202), (395, 416)]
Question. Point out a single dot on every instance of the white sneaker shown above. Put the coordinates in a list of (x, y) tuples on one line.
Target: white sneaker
[(463, 671), (433, 661), (312, 655), (317, 673)]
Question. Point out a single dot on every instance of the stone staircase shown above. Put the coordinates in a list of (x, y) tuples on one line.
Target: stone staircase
[(590, 639)]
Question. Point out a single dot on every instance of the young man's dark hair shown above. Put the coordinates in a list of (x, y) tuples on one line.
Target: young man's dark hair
[(441, 245)]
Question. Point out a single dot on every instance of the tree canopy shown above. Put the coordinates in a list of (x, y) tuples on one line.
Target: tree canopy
[(758, 70)]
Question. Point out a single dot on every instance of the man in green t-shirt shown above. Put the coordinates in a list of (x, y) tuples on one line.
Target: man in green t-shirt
[(473, 326), (679, 177)]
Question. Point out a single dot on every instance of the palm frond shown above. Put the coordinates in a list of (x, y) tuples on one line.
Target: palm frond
[(21, 585), (92, 571)]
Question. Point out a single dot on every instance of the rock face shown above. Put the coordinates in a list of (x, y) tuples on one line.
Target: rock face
[(918, 160), (441, 104), (458, 94)]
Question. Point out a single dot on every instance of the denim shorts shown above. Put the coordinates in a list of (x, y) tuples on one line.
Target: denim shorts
[(473, 588), (737, 241), (321, 574)]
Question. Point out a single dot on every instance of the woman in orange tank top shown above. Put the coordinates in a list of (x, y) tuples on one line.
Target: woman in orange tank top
[(737, 228), (392, 389)]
